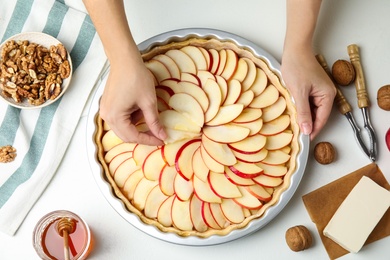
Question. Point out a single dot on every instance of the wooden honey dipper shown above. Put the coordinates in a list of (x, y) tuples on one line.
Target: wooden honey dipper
[(65, 227)]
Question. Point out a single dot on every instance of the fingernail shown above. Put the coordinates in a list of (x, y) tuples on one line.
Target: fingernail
[(306, 128)]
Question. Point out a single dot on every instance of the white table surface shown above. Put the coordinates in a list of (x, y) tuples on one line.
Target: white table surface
[(263, 22)]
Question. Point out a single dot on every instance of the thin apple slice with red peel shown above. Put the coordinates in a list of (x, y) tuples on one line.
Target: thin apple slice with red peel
[(141, 151), (222, 61), (172, 85), (275, 110), (180, 215), (110, 140), (237, 180), (183, 159), (267, 181), (388, 139), (260, 83), (204, 75), (166, 180), (223, 86), (278, 141), (196, 92), (164, 214), (275, 126), (246, 170), (226, 114), (175, 135), (241, 70), (189, 77), (169, 64), (153, 164), (162, 105), (259, 192), (276, 157), (254, 126), (251, 157), (119, 149), (221, 186), (232, 211), (209, 161), (200, 169), (228, 133), (124, 171), (267, 98), (230, 65), (233, 92), (196, 214), (207, 56), (188, 106), (164, 93), (131, 182), (204, 192), (215, 58), (252, 144), (141, 192), (286, 149), (216, 212), (273, 170), (169, 151), (214, 96), (208, 216), (246, 98), (183, 61), (117, 161), (183, 188), (248, 115), (218, 151), (153, 202), (158, 69), (176, 120), (250, 77), (197, 56), (247, 200)]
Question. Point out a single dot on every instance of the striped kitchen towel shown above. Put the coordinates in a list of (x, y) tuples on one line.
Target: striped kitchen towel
[(41, 136)]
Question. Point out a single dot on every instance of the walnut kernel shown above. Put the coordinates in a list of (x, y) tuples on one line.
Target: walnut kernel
[(343, 72), (324, 153), (383, 97), (298, 238), (7, 154)]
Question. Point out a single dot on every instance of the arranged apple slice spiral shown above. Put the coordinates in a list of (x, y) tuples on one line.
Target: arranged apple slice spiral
[(231, 146)]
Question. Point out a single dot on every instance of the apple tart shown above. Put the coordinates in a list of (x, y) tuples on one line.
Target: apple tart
[(232, 141)]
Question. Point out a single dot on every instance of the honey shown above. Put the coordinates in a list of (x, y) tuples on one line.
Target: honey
[(49, 244)]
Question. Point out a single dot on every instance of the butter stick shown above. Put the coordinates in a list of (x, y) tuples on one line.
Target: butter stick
[(358, 215)]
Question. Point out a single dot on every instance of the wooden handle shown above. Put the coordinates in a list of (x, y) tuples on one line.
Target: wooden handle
[(354, 56), (340, 100)]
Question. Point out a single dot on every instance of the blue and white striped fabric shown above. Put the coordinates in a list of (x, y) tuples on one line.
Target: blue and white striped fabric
[(41, 136)]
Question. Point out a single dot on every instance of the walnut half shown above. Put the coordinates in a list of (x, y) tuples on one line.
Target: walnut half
[(7, 154)]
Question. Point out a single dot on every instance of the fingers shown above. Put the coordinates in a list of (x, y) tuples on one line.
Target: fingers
[(151, 118), (304, 113)]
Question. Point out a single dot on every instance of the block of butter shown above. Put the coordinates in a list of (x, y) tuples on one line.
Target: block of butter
[(358, 215)]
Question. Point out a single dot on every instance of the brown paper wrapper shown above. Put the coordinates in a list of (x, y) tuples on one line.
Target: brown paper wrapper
[(322, 203)]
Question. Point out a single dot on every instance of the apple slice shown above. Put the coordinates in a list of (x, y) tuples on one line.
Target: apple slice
[(237, 180), (273, 170), (275, 110), (388, 139), (259, 192), (117, 161), (232, 211), (216, 212), (268, 97), (164, 214), (215, 58), (247, 200), (207, 56), (233, 92), (275, 126), (228, 133), (251, 157), (278, 141), (123, 172), (222, 61), (183, 188), (170, 64), (248, 115), (221, 186), (204, 75), (223, 86), (197, 56), (162, 105), (171, 85), (164, 93), (169, 151), (286, 149), (241, 70), (175, 135), (246, 98), (214, 96), (210, 163), (208, 216), (158, 69), (231, 64), (246, 170), (176, 120), (254, 126), (110, 140), (119, 149), (189, 77), (142, 191), (141, 151), (196, 92), (166, 180), (218, 151), (276, 157), (226, 114), (249, 145), (183, 61), (199, 167), (260, 83), (153, 202), (196, 214), (188, 106), (268, 181), (250, 76), (204, 191), (153, 165), (131, 183), (183, 159), (106, 127), (180, 215)]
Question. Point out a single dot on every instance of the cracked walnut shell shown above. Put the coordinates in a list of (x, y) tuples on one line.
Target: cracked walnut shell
[(343, 72), (383, 97), (298, 238), (324, 153)]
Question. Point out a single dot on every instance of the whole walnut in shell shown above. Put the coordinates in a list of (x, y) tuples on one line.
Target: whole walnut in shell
[(383, 97), (343, 72), (298, 238), (324, 153)]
